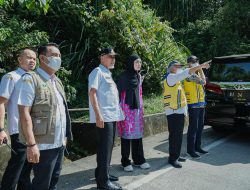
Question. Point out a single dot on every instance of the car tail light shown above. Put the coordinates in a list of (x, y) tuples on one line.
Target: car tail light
[(215, 88)]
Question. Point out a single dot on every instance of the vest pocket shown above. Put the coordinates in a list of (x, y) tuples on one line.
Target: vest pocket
[(40, 125)]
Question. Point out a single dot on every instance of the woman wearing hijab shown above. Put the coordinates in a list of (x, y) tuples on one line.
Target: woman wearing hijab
[(131, 129)]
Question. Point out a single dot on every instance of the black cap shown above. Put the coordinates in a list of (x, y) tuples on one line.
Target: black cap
[(192, 58), (109, 51)]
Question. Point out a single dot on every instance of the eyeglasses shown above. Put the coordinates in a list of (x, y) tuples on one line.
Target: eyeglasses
[(178, 66)]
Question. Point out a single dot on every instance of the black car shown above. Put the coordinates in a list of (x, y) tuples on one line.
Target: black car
[(228, 92)]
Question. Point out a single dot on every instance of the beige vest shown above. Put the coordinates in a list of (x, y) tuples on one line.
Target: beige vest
[(43, 111)]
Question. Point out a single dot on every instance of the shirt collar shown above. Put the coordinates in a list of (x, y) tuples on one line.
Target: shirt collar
[(104, 69), (45, 75), (20, 71)]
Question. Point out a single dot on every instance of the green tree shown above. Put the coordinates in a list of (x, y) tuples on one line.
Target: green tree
[(81, 27), (16, 33), (180, 12), (129, 26), (225, 33)]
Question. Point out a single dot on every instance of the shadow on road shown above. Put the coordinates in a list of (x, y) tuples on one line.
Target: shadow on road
[(85, 179), (236, 150)]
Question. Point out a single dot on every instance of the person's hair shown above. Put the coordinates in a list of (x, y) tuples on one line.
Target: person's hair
[(42, 49), (20, 51)]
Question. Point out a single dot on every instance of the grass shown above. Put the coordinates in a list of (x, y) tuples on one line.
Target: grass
[(152, 104)]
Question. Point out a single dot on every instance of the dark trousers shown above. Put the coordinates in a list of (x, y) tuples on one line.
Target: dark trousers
[(137, 151), (18, 169), (47, 171), (195, 128), (105, 142), (175, 128)]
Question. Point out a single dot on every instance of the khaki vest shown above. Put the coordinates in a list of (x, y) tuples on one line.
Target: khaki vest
[(174, 96), (43, 110)]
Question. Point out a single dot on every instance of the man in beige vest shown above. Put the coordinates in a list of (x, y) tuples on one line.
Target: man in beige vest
[(45, 121)]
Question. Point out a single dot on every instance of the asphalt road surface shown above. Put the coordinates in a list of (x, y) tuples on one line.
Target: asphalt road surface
[(226, 167)]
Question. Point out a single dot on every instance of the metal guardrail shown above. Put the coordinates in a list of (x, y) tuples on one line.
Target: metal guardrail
[(72, 110), (78, 109)]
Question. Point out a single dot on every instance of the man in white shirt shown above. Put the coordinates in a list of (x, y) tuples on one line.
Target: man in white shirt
[(105, 111), (45, 121), (175, 104), (17, 167)]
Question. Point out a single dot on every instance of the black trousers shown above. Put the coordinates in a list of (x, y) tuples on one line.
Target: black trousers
[(175, 127), (18, 169), (105, 142), (195, 128), (137, 151), (47, 171)]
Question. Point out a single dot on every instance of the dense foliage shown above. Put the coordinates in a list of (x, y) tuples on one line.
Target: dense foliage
[(207, 28), (82, 27), (16, 33)]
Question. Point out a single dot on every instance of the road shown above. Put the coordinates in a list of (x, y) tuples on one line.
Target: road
[(226, 167)]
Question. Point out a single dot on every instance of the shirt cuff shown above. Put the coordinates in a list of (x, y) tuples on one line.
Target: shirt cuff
[(186, 72), (93, 86), (5, 96)]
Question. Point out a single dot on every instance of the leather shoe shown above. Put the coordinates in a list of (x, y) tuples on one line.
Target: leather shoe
[(201, 151), (113, 178), (175, 164), (181, 159), (193, 155), (108, 186)]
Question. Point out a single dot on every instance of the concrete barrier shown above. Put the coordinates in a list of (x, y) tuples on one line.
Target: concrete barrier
[(85, 135)]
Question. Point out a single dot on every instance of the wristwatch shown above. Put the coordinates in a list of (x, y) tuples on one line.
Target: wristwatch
[(1, 129), (30, 145)]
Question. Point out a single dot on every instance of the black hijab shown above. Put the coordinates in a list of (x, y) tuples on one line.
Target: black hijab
[(129, 81)]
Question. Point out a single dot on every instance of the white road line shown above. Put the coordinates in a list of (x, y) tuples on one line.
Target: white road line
[(91, 186), (155, 174), (220, 141)]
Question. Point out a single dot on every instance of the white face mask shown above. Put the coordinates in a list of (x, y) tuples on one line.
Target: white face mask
[(179, 70), (194, 64), (54, 63), (112, 66)]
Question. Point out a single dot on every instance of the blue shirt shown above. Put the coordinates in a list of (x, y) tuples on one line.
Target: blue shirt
[(107, 95)]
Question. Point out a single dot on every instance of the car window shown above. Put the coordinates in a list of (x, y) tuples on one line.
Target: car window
[(230, 72)]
